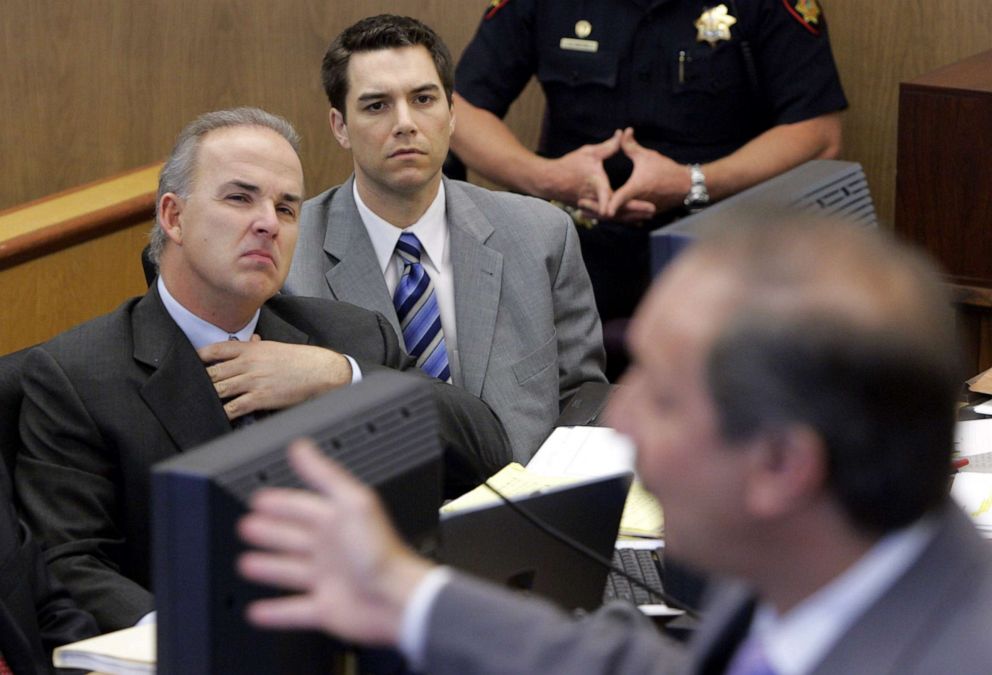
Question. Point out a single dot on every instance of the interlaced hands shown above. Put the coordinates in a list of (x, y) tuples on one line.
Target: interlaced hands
[(657, 183), (268, 375)]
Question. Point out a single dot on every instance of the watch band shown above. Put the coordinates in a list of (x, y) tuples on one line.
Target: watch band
[(698, 195)]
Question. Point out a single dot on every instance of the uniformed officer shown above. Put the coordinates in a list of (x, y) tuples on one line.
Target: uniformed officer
[(709, 99)]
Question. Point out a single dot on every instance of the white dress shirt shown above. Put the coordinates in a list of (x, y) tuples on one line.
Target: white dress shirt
[(432, 231), (199, 332)]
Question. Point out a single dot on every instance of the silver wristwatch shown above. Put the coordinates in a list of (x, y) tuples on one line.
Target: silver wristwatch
[(698, 196)]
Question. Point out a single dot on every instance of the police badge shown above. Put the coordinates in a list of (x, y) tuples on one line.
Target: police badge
[(714, 25)]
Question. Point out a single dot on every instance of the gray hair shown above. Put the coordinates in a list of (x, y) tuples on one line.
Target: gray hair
[(177, 172), (848, 332)]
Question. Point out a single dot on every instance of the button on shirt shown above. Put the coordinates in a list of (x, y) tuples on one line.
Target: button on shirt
[(432, 231)]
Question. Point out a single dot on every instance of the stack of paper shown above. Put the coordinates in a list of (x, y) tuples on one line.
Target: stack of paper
[(973, 493), (125, 652), (569, 455), (973, 440)]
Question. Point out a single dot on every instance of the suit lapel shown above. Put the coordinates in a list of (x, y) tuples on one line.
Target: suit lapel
[(273, 327), (911, 609), (178, 391), (478, 277), (354, 275), (727, 621)]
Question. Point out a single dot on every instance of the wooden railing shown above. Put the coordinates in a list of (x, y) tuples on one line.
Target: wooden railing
[(58, 221), (72, 256)]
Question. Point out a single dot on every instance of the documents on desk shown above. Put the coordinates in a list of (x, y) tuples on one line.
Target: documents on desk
[(973, 441), (973, 493), (572, 454), (124, 652)]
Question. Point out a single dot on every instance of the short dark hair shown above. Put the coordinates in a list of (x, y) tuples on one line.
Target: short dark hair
[(876, 383), (177, 172), (384, 31)]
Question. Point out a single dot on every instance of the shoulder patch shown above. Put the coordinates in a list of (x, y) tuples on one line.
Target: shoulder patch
[(494, 7), (807, 12)]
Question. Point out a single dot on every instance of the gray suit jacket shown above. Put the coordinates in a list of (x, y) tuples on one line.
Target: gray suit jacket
[(113, 396), (932, 620), (528, 331)]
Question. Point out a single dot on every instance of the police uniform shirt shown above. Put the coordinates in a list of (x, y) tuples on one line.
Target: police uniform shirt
[(609, 64)]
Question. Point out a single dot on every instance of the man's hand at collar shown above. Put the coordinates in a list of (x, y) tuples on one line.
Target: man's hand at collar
[(266, 375)]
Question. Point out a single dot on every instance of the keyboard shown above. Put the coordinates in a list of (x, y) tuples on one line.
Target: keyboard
[(643, 564)]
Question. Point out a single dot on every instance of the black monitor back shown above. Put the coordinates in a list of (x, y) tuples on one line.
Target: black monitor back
[(384, 430), (498, 543), (824, 187)]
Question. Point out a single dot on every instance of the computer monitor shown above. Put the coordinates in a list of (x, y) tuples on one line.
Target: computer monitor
[(497, 543), (824, 187), (383, 429)]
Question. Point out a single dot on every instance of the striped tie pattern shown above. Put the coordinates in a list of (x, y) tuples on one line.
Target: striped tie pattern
[(418, 312)]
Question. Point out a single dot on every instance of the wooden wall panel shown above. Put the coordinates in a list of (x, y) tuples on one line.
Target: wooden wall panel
[(92, 88), (880, 43), (48, 295)]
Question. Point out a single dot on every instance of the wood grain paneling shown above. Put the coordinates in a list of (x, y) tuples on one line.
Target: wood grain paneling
[(881, 43), (96, 87), (92, 88), (48, 295)]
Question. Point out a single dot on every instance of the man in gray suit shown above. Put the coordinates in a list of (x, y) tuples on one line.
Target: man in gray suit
[(510, 311), (204, 348), (792, 402)]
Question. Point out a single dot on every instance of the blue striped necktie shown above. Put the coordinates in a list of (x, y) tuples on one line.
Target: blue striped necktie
[(418, 312)]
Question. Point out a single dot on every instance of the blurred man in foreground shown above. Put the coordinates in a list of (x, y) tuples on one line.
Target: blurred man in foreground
[(791, 399)]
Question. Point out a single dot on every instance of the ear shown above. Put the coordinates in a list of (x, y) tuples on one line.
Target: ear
[(451, 124), (787, 468), (170, 210), (339, 128)]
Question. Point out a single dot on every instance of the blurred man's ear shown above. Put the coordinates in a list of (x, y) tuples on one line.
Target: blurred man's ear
[(787, 468)]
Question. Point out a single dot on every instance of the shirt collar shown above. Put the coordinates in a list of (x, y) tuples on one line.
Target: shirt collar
[(199, 332), (797, 641), (431, 229)]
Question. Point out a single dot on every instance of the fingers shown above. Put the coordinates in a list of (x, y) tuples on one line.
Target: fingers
[(323, 474), (608, 147), (600, 185), (627, 142), (221, 351), (291, 573), (293, 612), (281, 522), (621, 196), (635, 210)]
